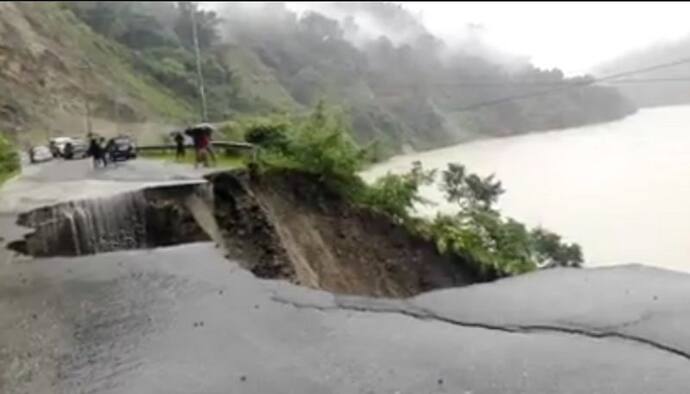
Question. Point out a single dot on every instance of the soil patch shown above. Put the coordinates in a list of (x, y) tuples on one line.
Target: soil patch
[(289, 225)]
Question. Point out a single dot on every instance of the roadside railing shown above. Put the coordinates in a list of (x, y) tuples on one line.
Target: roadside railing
[(234, 145), (228, 148)]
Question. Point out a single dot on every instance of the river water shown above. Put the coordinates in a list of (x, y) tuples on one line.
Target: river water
[(620, 189)]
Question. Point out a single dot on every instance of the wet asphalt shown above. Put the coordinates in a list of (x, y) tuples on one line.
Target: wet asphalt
[(184, 319)]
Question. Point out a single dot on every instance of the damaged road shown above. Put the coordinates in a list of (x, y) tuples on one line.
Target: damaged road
[(606, 320), (185, 319)]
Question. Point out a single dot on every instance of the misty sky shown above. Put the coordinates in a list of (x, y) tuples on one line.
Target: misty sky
[(573, 36)]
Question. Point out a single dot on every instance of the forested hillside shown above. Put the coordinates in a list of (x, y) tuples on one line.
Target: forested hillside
[(398, 84)]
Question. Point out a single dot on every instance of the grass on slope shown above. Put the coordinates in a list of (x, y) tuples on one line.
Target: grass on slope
[(257, 80), (111, 63), (223, 160)]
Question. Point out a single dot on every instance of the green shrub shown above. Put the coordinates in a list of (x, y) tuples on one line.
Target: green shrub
[(322, 145), (319, 144), (9, 159), (493, 246), (496, 246), (268, 135), (396, 195), (550, 251)]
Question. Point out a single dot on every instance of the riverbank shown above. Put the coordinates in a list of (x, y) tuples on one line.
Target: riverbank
[(619, 189)]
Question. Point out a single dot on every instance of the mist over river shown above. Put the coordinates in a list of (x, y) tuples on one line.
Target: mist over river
[(620, 189)]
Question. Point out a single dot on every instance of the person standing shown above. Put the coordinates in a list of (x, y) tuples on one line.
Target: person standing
[(208, 131), (109, 151), (103, 149), (203, 149), (196, 135), (179, 146), (95, 151)]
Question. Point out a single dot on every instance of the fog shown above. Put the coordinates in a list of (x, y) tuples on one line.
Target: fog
[(574, 37), (365, 23)]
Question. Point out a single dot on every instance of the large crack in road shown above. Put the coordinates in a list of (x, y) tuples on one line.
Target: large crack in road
[(383, 307)]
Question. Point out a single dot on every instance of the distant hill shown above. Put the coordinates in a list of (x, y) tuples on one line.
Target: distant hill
[(399, 84), (654, 93)]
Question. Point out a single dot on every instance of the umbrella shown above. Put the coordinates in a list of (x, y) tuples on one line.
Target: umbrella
[(199, 129)]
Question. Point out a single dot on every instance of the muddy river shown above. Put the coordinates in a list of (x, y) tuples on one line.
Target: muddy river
[(620, 189)]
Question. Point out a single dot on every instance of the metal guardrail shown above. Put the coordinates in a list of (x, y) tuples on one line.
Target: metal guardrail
[(219, 144)]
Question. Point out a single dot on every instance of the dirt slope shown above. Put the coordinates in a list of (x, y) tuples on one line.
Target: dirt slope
[(289, 226), (45, 78)]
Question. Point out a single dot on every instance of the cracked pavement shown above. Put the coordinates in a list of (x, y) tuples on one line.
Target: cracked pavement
[(185, 320)]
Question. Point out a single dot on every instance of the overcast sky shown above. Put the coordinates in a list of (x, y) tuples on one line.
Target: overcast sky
[(573, 36)]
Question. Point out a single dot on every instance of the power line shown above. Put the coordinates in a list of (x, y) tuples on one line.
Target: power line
[(539, 83), (643, 70), (650, 80), (571, 86)]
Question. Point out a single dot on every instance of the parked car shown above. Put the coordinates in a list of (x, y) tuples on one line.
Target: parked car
[(39, 154), (76, 148), (57, 145), (121, 148)]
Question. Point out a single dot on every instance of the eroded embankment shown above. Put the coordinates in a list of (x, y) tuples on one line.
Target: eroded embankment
[(289, 225), (284, 225)]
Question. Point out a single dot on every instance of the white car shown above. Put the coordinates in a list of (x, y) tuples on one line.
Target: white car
[(38, 154), (59, 143)]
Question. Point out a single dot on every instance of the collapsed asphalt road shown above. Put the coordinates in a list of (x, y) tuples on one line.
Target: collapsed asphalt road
[(183, 319)]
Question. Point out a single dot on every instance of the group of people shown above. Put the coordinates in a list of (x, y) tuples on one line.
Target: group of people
[(98, 150), (201, 138)]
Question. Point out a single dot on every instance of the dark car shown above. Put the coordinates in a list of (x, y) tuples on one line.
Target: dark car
[(121, 148)]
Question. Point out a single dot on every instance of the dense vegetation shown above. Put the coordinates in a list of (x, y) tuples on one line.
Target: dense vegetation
[(495, 246), (398, 84), (9, 159)]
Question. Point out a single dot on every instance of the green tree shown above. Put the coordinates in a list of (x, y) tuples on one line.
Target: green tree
[(130, 23), (470, 190), (551, 252), (206, 23), (397, 195), (495, 246)]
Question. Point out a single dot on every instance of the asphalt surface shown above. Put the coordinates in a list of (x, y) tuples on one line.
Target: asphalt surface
[(185, 320)]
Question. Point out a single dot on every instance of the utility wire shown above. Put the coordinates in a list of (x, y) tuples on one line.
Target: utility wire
[(538, 83), (650, 80), (561, 86), (571, 86), (643, 70)]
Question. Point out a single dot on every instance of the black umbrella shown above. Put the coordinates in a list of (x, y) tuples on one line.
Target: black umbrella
[(199, 129)]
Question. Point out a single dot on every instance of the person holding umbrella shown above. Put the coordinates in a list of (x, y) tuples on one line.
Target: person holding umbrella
[(200, 137), (207, 130)]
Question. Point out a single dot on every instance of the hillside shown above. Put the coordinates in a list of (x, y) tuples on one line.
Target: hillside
[(45, 79), (397, 83), (669, 86)]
